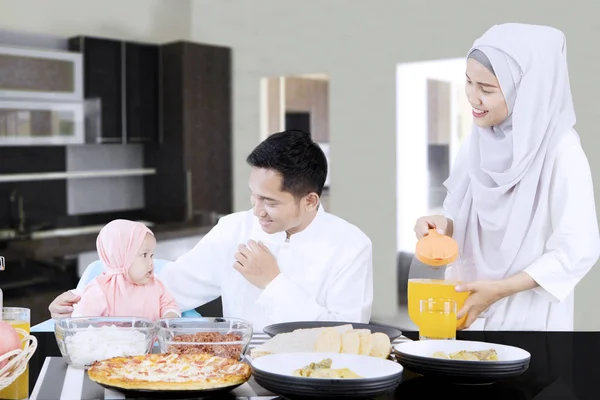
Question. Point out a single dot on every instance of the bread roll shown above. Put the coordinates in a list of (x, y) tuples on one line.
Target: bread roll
[(366, 341), (329, 341), (381, 345), (350, 342)]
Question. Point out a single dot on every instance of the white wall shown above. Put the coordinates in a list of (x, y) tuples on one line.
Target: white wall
[(144, 20), (358, 44), (412, 176), (138, 20)]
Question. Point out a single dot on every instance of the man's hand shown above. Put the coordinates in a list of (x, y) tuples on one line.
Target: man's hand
[(483, 295), (256, 263), (62, 306)]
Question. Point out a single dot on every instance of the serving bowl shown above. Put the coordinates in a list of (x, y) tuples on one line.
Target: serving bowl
[(222, 337), (84, 340)]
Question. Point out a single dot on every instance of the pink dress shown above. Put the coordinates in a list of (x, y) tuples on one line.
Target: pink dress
[(113, 294)]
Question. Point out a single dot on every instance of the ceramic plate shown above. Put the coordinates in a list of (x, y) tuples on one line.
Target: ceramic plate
[(424, 349), (274, 372), (285, 364), (286, 327)]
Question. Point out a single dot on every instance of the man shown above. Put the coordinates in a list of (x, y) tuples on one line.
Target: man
[(284, 260)]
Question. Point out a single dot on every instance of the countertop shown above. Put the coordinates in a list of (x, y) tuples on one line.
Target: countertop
[(61, 246), (564, 365)]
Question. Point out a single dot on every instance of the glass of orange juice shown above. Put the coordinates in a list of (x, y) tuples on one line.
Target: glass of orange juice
[(420, 289), (17, 317), (437, 319)]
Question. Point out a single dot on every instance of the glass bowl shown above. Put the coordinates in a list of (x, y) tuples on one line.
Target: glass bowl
[(84, 340), (222, 337)]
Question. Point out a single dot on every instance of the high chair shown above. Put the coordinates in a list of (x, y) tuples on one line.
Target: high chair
[(92, 271)]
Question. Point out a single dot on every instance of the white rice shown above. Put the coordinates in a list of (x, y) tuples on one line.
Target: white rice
[(94, 344)]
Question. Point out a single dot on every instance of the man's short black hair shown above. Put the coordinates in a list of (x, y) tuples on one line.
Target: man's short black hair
[(296, 157)]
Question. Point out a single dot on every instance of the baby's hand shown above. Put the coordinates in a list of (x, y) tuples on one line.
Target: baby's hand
[(170, 314)]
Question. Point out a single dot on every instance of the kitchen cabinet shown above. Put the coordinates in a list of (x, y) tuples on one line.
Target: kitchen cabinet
[(193, 155), (30, 123), (38, 74), (124, 77), (141, 92)]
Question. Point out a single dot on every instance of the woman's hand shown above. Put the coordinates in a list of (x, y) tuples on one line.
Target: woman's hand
[(483, 295), (442, 224)]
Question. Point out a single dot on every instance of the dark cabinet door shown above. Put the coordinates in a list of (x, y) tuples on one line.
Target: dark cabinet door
[(193, 159), (207, 96), (103, 79), (141, 92)]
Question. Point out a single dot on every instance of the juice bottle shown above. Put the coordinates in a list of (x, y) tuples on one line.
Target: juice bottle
[(422, 289), (18, 318), (432, 274)]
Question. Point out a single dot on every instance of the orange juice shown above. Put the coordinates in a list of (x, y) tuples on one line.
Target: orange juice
[(419, 289), (19, 389), (437, 319)]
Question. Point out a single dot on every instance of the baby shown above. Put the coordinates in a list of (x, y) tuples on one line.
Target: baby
[(127, 288)]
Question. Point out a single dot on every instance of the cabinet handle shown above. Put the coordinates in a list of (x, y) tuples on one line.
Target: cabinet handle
[(188, 195), (108, 140), (160, 97), (123, 94)]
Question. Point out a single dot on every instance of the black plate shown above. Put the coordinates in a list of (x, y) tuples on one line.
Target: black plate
[(325, 388), (481, 367), (287, 327), (173, 394), (457, 375), (463, 364)]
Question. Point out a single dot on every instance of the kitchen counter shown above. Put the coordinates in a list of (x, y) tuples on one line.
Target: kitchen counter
[(564, 365), (67, 245)]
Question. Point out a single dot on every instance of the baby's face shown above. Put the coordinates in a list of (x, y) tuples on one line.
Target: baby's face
[(142, 269)]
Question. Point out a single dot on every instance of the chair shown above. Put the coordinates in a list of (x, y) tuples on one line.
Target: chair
[(93, 270)]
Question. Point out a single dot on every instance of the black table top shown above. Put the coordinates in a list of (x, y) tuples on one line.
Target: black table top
[(564, 365)]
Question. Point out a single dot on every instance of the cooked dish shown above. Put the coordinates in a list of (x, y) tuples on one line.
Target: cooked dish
[(482, 355), (322, 369), (204, 344), (170, 372)]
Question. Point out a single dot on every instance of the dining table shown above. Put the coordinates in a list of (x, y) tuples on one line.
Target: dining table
[(563, 365)]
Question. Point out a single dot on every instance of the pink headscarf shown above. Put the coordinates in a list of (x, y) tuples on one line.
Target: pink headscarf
[(118, 244), (113, 293)]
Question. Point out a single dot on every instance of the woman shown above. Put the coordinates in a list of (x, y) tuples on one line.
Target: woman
[(520, 200)]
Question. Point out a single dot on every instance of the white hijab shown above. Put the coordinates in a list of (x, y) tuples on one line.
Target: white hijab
[(493, 189)]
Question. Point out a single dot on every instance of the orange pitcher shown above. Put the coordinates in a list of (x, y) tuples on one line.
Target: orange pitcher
[(432, 274)]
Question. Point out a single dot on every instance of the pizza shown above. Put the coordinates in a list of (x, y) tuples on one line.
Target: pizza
[(170, 372)]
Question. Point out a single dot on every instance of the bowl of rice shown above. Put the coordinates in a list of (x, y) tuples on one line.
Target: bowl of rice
[(221, 337), (84, 340)]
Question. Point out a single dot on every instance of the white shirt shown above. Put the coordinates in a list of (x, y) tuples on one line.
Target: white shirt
[(561, 246), (326, 272)]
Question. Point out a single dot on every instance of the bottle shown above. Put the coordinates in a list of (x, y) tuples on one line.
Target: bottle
[(1, 294)]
